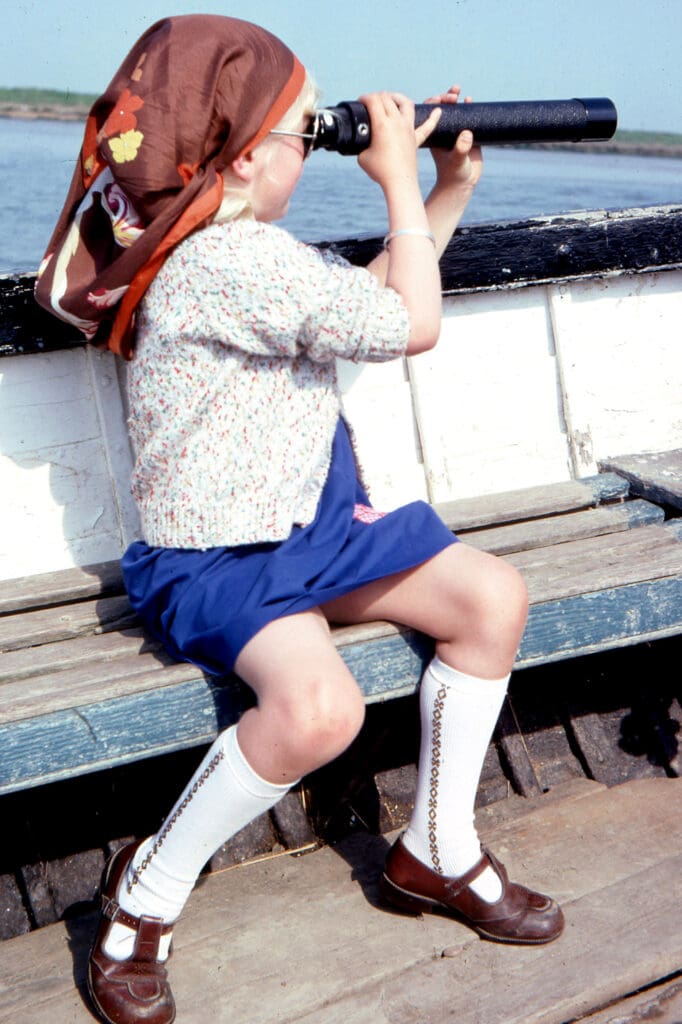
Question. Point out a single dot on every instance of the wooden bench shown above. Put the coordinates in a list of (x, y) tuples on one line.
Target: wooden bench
[(83, 689)]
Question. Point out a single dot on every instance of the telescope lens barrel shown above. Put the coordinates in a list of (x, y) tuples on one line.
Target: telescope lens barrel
[(346, 128)]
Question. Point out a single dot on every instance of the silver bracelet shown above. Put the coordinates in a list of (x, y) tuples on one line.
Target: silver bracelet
[(420, 232)]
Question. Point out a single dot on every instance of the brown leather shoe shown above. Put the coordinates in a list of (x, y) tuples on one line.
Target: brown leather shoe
[(134, 991), (519, 916)]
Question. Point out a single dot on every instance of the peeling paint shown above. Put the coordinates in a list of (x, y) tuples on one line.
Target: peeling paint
[(584, 446)]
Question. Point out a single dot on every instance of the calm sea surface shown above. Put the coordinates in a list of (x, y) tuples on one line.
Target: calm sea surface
[(335, 199)]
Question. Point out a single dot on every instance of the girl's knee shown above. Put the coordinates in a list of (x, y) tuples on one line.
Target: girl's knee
[(494, 600), (488, 619), (512, 588), (504, 598), (489, 582), (320, 721)]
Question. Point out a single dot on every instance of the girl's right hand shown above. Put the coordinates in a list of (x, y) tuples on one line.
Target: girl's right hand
[(391, 157)]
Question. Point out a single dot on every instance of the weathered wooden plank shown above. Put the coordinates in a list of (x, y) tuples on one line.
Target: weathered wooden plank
[(510, 738), (59, 745), (183, 709), (654, 475), (600, 563), (550, 248), (587, 623), (531, 502), (375, 666), (537, 987), (364, 632), (92, 651), (65, 622), (595, 522), (661, 1003), (91, 684), (100, 580), (618, 353), (191, 712), (556, 629), (600, 750)]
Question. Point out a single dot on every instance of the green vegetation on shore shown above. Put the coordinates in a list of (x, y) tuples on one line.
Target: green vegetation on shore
[(46, 97), (648, 138)]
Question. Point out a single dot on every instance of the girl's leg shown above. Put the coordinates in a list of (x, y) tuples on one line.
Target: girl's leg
[(309, 709), (475, 606), (309, 706)]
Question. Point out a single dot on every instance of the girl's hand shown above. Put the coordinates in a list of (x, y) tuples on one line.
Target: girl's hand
[(391, 157), (460, 167)]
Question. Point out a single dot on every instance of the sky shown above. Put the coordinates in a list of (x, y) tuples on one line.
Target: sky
[(628, 50)]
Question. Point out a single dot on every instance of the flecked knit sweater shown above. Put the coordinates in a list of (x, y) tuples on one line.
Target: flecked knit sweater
[(233, 392)]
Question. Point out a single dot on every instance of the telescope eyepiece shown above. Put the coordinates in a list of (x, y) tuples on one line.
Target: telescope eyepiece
[(344, 128)]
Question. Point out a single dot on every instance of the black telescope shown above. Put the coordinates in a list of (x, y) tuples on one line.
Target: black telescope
[(346, 128)]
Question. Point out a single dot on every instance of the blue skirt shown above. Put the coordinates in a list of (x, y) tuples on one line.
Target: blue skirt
[(204, 606)]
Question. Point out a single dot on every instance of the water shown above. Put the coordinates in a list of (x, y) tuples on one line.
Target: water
[(335, 199)]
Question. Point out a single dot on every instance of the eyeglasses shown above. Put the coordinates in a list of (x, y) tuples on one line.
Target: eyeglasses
[(308, 137)]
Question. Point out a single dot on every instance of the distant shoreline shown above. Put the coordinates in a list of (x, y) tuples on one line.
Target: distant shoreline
[(619, 148), (43, 112), (61, 112)]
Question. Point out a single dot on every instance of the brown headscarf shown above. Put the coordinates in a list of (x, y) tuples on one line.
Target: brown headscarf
[(194, 93)]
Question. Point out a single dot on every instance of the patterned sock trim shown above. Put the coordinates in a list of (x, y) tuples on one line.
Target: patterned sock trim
[(159, 841), (436, 743)]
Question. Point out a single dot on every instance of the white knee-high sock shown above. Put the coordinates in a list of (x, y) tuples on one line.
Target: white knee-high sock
[(223, 796), (458, 715)]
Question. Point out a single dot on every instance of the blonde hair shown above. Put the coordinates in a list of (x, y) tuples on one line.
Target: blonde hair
[(236, 203)]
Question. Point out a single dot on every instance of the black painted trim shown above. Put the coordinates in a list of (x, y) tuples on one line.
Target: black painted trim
[(548, 249), (481, 257)]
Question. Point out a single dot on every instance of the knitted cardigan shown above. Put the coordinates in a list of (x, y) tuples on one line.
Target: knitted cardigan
[(233, 391)]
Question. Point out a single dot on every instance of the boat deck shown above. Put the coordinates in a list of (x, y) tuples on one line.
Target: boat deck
[(301, 938)]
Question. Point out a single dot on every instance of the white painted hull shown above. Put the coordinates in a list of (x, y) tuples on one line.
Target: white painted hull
[(527, 385)]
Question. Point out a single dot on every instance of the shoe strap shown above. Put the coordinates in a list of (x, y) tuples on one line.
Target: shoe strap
[(114, 912), (457, 885)]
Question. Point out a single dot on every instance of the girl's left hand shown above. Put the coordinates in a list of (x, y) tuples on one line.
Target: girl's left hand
[(461, 166)]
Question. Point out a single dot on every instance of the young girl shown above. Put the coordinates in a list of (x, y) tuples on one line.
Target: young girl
[(256, 530)]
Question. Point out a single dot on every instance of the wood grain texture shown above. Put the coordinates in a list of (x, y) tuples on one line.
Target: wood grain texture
[(599, 563), (559, 529), (655, 475), (588, 623), (531, 502), (65, 585), (64, 622)]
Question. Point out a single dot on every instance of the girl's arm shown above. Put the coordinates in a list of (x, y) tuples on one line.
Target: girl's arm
[(458, 172), (409, 264)]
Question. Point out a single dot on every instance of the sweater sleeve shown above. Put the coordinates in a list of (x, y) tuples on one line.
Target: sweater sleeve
[(258, 289)]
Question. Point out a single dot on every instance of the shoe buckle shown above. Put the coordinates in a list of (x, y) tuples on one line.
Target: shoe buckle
[(110, 908)]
